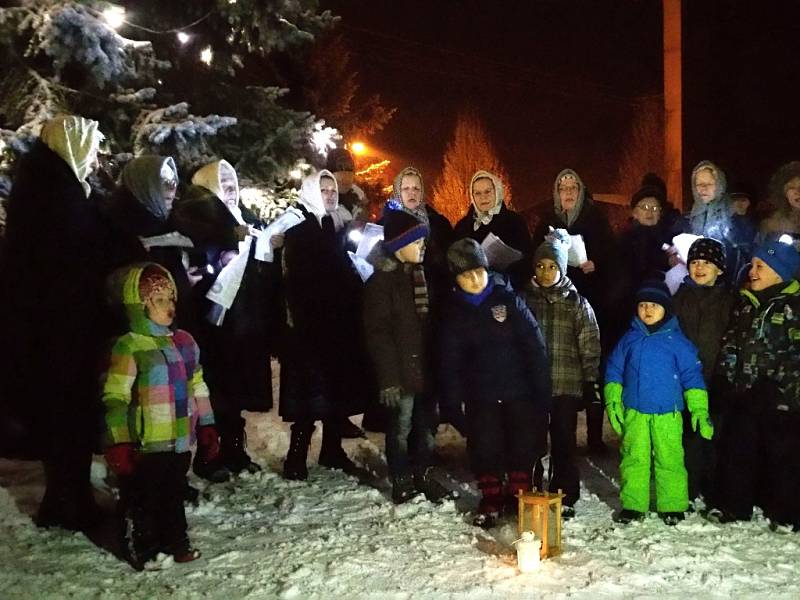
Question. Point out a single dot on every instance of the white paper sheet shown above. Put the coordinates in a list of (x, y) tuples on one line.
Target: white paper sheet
[(171, 239), (365, 270), (675, 276), (499, 254), (577, 251), (287, 220), (227, 284), (371, 235)]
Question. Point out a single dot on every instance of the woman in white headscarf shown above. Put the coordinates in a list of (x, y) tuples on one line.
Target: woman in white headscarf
[(322, 363), (52, 314)]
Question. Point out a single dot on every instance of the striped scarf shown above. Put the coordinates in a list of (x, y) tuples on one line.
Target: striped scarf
[(420, 290)]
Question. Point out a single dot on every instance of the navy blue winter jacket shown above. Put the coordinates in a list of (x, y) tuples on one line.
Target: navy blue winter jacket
[(655, 368), (493, 351)]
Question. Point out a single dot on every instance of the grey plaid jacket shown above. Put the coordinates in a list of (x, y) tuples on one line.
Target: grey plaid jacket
[(571, 334)]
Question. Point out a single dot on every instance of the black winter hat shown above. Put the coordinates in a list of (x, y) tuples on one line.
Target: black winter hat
[(401, 229), (649, 191), (464, 255), (655, 290), (708, 249), (339, 159)]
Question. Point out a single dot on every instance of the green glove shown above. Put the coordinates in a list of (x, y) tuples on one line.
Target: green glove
[(697, 403), (390, 397), (616, 413)]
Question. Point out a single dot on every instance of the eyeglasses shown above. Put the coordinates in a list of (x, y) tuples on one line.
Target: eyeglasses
[(649, 207), (568, 188), (704, 186)]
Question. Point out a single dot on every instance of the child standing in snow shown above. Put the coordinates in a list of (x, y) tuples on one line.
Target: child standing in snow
[(703, 306), (648, 375), (573, 346), (397, 325), (154, 394), (493, 360)]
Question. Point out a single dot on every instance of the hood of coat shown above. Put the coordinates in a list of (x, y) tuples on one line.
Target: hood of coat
[(143, 177), (499, 196), (563, 288), (123, 286), (210, 177), (382, 260), (572, 214), (76, 141), (722, 184), (668, 326)]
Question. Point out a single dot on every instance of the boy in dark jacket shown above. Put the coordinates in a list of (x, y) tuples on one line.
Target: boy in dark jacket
[(573, 346), (760, 361), (703, 306), (649, 373), (396, 321), (493, 360)]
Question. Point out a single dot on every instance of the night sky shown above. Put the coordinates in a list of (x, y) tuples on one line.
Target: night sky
[(557, 82)]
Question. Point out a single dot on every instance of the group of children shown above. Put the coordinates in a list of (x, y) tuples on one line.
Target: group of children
[(519, 365)]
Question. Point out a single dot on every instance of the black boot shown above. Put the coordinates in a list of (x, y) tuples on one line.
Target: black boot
[(350, 430), (425, 482), (294, 467), (403, 489), (233, 441), (331, 454)]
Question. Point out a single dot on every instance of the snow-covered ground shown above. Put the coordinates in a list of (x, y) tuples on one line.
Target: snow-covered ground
[(330, 537)]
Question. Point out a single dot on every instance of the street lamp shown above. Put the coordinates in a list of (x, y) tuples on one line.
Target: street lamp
[(358, 148)]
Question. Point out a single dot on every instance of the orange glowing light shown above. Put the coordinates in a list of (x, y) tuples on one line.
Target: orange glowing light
[(358, 147)]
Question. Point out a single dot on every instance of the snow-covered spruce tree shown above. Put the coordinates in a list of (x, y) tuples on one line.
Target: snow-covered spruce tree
[(148, 75), (469, 151)]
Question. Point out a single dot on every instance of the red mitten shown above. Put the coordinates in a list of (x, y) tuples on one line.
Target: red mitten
[(208, 442), (120, 458)]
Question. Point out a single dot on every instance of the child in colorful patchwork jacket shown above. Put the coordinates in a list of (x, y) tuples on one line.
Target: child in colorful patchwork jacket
[(648, 375), (154, 397)]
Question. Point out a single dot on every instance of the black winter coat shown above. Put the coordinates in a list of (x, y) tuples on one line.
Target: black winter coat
[(324, 367), (53, 313), (704, 314), (396, 335), (509, 227), (492, 352)]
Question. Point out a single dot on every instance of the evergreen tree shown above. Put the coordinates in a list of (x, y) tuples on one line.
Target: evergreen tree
[(470, 150), (147, 77)]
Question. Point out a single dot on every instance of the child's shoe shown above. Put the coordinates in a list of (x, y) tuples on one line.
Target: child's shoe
[(567, 512), (671, 518), (716, 515), (211, 470), (403, 489), (188, 555), (626, 515), (485, 520)]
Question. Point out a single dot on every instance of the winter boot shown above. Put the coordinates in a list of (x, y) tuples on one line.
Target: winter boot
[(210, 468), (294, 467), (187, 555), (567, 512), (671, 518), (434, 491), (331, 454), (594, 429), (350, 430), (233, 442), (403, 489), (627, 515), (518, 481), (491, 502)]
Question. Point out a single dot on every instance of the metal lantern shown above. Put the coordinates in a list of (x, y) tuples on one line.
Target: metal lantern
[(540, 512)]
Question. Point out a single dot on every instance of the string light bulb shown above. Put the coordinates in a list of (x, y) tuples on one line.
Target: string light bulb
[(183, 37), (114, 16), (207, 55)]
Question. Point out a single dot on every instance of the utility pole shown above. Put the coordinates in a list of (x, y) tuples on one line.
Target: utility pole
[(673, 102)]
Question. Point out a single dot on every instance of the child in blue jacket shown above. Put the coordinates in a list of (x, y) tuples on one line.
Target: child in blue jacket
[(648, 375)]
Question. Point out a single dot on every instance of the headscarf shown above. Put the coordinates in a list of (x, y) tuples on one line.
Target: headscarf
[(420, 213), (143, 177), (714, 218), (572, 215), (484, 218), (210, 177), (75, 139), (311, 199)]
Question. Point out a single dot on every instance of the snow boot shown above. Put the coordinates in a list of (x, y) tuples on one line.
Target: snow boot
[(567, 512), (491, 502), (717, 515), (331, 453), (210, 469), (671, 518), (626, 515), (350, 430), (403, 489), (186, 556), (233, 444), (294, 466), (434, 491), (518, 481)]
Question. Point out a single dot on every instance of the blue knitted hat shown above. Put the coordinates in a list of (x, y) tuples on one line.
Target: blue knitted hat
[(781, 258), (401, 229)]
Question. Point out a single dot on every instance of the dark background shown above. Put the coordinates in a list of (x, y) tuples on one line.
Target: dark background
[(557, 82)]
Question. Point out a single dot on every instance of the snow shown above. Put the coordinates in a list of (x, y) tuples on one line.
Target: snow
[(331, 537)]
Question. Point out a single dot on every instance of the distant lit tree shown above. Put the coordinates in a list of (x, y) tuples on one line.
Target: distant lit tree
[(470, 150)]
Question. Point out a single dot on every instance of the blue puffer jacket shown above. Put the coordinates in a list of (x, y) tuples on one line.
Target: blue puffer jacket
[(655, 368)]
